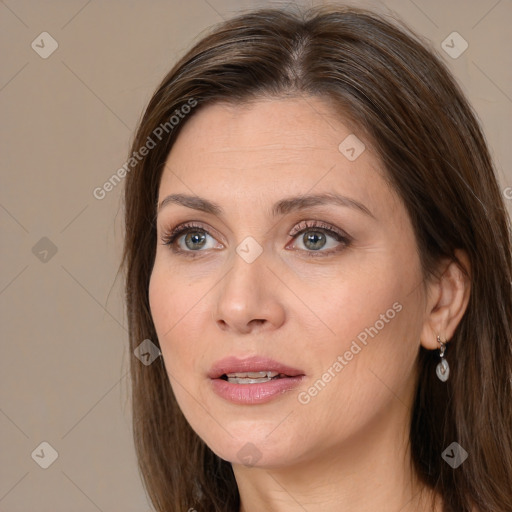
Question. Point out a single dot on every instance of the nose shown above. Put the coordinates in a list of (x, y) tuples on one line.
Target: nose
[(249, 298)]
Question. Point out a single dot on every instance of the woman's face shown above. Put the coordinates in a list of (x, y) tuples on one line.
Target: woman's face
[(327, 295)]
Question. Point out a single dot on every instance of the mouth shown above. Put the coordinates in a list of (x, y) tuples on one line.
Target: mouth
[(254, 367), (253, 380), (252, 377)]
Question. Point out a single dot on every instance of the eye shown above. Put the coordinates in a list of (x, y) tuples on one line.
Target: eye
[(194, 238), (315, 235), (189, 239)]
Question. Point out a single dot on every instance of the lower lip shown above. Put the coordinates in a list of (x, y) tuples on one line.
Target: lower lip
[(254, 393)]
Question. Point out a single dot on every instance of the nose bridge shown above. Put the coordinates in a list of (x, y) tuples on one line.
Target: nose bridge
[(243, 281), (245, 294)]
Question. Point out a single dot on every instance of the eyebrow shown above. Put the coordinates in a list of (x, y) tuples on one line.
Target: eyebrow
[(282, 207)]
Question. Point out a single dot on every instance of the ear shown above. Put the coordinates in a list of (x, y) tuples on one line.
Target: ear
[(447, 300)]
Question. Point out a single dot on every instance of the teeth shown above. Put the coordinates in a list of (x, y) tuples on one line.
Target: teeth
[(253, 375), (235, 380)]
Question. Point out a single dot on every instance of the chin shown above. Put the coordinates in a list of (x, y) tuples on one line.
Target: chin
[(253, 449)]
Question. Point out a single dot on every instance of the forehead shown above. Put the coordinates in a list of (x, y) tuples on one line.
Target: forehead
[(271, 147)]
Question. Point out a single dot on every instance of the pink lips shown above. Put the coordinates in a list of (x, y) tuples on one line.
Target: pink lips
[(251, 364), (256, 393)]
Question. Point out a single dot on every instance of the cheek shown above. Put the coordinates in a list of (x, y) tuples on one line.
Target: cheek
[(373, 315), (176, 307), (161, 295), (168, 304), (356, 297)]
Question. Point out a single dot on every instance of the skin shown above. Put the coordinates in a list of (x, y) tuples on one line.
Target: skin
[(346, 449)]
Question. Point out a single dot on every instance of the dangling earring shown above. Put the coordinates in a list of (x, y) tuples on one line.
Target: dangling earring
[(443, 368)]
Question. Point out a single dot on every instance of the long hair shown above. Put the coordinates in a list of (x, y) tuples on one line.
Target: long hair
[(388, 83)]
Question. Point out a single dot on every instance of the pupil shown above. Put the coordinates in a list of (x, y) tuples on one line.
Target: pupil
[(195, 239), (316, 238)]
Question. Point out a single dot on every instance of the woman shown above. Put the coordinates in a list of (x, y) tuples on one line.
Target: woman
[(317, 243)]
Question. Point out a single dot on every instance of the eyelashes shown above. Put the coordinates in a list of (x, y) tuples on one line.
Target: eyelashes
[(171, 237)]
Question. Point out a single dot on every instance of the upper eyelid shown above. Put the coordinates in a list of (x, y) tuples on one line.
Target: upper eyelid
[(297, 228), (316, 224), (182, 226)]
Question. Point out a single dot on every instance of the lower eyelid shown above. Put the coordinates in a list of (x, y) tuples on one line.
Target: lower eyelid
[(175, 234), (342, 243)]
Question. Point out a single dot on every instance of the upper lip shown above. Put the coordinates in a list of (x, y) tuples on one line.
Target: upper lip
[(250, 364)]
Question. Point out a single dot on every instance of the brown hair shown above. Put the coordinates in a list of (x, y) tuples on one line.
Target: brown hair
[(389, 84)]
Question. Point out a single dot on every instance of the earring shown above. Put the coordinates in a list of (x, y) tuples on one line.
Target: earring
[(443, 368)]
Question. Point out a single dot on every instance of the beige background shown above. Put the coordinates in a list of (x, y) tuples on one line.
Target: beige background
[(67, 121)]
